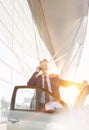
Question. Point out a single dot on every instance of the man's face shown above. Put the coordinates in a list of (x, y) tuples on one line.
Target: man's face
[(44, 66)]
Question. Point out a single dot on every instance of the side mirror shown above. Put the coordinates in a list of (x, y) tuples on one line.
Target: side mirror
[(52, 106)]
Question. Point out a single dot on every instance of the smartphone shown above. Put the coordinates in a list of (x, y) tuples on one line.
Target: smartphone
[(39, 68)]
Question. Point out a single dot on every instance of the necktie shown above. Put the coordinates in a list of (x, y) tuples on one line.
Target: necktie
[(46, 88)]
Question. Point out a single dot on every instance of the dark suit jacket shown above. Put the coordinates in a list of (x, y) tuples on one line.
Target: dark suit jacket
[(54, 80), (36, 80)]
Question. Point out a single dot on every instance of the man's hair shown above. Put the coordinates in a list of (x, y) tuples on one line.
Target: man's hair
[(44, 60)]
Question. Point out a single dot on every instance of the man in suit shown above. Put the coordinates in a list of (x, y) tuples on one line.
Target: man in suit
[(53, 83)]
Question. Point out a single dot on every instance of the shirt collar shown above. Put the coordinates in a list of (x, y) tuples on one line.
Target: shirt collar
[(45, 76)]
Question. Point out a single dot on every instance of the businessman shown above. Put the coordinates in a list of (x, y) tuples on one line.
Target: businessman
[(50, 82)]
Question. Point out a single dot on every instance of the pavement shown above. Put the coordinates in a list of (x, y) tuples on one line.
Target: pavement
[(3, 126)]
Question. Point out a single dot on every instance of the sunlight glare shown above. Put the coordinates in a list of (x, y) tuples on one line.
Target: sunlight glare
[(69, 94)]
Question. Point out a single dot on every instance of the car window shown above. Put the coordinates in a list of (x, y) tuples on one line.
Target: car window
[(86, 101), (23, 98)]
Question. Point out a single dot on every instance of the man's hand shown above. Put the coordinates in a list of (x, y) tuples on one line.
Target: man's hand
[(38, 69)]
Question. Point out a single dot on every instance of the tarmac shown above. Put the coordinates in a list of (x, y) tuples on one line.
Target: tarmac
[(3, 126)]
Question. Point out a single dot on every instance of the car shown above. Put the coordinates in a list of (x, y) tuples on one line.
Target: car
[(25, 116)]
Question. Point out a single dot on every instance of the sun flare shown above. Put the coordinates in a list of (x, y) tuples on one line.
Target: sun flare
[(69, 94)]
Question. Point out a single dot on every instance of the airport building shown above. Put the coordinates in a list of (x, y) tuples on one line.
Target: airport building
[(21, 49)]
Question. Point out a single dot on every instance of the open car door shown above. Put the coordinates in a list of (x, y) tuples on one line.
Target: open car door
[(23, 116)]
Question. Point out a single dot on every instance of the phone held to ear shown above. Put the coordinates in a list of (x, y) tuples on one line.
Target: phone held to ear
[(38, 69)]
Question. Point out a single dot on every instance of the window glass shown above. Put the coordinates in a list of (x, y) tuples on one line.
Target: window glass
[(23, 98), (86, 102)]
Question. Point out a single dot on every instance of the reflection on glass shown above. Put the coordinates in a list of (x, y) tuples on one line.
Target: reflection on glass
[(23, 98)]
